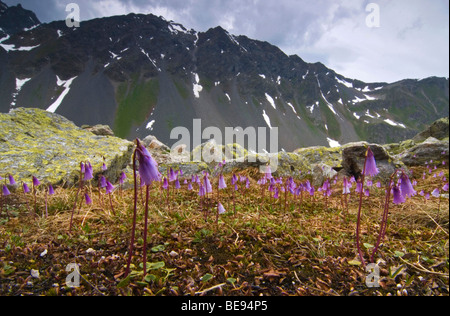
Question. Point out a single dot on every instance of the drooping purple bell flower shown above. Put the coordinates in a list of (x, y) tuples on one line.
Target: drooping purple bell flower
[(371, 166), (436, 193), (346, 187), (5, 190), (25, 187), (398, 196), (406, 186), (165, 184), (51, 191), (445, 187), (148, 168), (109, 187), (172, 175), (201, 190), (88, 172), (177, 184), (220, 208), (222, 184), (207, 183), (11, 180), (102, 182), (87, 199), (36, 182), (122, 178)]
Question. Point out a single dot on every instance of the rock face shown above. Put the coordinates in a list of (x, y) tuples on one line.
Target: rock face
[(353, 157), (46, 145), (431, 149), (38, 143), (438, 130)]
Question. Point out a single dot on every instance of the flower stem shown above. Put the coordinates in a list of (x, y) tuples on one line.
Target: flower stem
[(145, 229), (133, 229)]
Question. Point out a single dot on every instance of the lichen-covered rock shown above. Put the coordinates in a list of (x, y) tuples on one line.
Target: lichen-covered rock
[(99, 129), (353, 157), (37, 143), (431, 149), (438, 130)]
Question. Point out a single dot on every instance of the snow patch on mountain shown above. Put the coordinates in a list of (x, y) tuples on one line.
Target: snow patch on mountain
[(66, 84), (267, 119), (271, 101)]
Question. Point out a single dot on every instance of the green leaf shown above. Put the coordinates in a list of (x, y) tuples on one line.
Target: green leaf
[(158, 248), (399, 254), (124, 282), (231, 280), (368, 246), (207, 277), (155, 265), (150, 278), (354, 262)]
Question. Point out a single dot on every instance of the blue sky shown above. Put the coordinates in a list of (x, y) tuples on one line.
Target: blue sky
[(412, 40)]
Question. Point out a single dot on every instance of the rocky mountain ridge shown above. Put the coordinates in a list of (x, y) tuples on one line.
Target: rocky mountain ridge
[(141, 75)]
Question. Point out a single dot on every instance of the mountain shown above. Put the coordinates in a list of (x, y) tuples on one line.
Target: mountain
[(142, 74), (15, 19)]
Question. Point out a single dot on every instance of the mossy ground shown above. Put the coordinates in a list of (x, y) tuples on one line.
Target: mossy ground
[(260, 246)]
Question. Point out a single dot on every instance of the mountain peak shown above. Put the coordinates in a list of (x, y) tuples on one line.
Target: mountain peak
[(143, 74), (16, 19), (3, 7)]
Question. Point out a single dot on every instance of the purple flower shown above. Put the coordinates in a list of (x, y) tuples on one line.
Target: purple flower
[(104, 168), (87, 199), (25, 187), (5, 190), (222, 184), (268, 173), (190, 187), (122, 178), (172, 175), (207, 183), (371, 166), (11, 180), (165, 184), (276, 195), (36, 182), (177, 184), (234, 179), (406, 186), (359, 187), (398, 196), (82, 167), (436, 193), (220, 208), (201, 190), (88, 172), (51, 191), (445, 187), (109, 187), (148, 168), (102, 182)]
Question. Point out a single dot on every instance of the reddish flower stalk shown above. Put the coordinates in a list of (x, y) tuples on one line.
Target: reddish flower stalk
[(80, 187), (384, 218), (133, 229), (372, 170)]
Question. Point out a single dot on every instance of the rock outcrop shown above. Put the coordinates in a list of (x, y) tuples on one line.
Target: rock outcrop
[(37, 143)]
